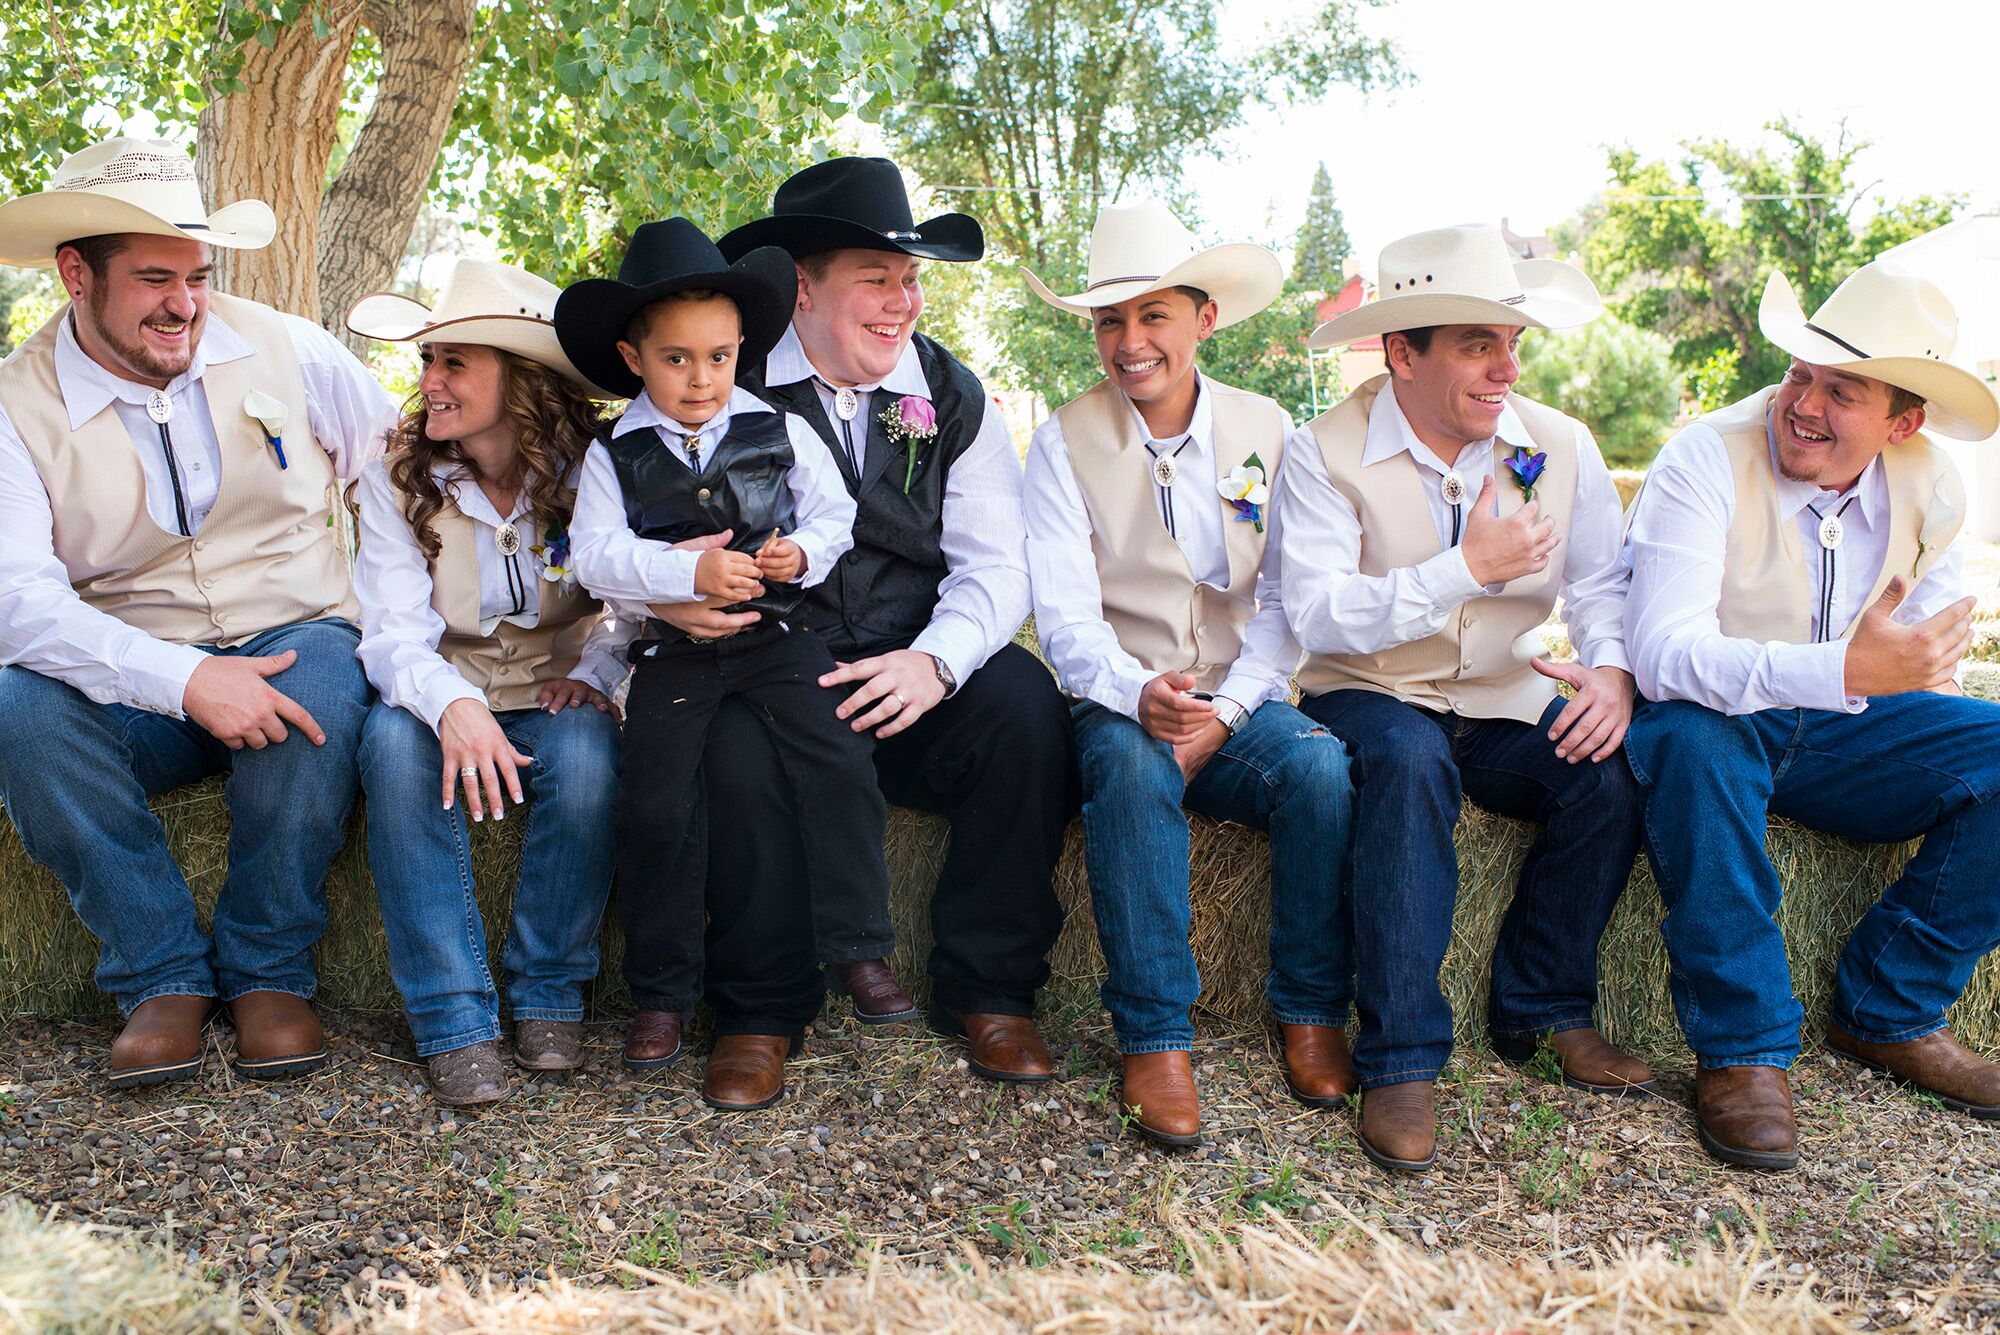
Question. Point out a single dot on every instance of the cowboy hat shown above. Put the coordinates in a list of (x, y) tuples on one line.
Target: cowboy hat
[(1140, 248), (664, 258), (493, 305), (125, 185), (1908, 328), (1464, 275), (854, 204)]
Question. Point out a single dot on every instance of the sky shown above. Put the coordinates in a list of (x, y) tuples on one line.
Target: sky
[(1514, 104)]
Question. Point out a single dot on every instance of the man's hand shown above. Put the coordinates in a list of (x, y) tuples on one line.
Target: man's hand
[(730, 576), (1169, 713), (1593, 723), (1194, 756), (472, 739), (230, 697), (781, 561), (901, 685), (1496, 549), (1885, 657), (569, 693)]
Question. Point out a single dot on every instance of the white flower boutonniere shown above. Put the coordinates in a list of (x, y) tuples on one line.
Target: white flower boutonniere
[(1245, 491), (269, 414), (1939, 518)]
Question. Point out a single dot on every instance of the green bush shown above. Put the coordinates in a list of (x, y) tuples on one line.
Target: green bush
[(1615, 377)]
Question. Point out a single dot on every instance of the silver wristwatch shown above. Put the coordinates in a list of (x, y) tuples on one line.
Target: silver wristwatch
[(1232, 715), (945, 679)]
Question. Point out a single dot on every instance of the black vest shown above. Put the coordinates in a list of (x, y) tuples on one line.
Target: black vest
[(742, 486), (882, 593)]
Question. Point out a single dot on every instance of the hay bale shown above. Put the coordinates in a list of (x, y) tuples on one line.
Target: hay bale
[(58, 1276), (46, 957)]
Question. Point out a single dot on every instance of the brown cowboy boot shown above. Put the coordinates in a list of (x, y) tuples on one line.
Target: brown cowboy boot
[(1160, 1098), (548, 1045), (1318, 1068), (878, 997), (277, 1035), (161, 1041), (746, 1071), (1590, 1063), (1744, 1116), (652, 1040), (468, 1076), (1000, 1047), (1399, 1126), (1936, 1064)]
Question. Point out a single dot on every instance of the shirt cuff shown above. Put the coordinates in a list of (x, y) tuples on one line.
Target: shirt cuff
[(818, 567), (448, 690), (1603, 654), (1814, 676), (602, 671), (157, 679), (671, 574), (1448, 580), (954, 643), (1120, 690), (1250, 689)]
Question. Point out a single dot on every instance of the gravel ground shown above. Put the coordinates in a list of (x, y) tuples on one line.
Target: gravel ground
[(887, 1143)]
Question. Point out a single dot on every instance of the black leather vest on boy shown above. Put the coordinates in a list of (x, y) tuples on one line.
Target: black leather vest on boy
[(881, 595), (742, 486)]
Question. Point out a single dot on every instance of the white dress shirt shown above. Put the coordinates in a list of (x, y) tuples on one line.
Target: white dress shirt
[(400, 629), (629, 571), (44, 625), (1081, 645), (1335, 609), (1680, 530), (983, 598)]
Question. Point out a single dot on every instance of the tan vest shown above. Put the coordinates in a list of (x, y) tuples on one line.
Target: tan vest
[(1477, 664), (1163, 616), (265, 557), (1766, 584), (512, 663)]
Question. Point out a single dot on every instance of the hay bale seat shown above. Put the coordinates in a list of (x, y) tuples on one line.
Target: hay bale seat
[(46, 957)]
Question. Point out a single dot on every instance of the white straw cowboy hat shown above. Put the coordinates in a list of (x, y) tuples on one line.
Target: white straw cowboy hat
[(493, 305), (1890, 326), (1140, 248), (1464, 275), (125, 185)]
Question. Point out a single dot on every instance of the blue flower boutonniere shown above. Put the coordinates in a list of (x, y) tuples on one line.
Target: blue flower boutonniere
[(1245, 491), (553, 550), (1526, 466)]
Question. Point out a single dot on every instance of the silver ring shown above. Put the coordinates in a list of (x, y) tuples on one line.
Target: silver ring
[(469, 772), (901, 703)]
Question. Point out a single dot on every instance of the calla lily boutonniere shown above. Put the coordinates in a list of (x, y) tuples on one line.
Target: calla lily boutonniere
[(553, 550), (1526, 465), (1245, 491), (269, 414), (910, 421), (1939, 517)]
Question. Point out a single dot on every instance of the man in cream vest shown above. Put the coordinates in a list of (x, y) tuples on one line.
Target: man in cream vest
[(173, 602), (1151, 546), (1431, 521), (1796, 617)]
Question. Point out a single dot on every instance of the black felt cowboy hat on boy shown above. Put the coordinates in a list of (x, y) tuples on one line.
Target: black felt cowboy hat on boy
[(664, 258), (855, 204)]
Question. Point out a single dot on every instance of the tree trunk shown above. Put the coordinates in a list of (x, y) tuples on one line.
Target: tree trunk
[(367, 214), (272, 141)]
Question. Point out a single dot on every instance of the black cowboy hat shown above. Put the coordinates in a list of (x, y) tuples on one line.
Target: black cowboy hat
[(664, 258), (855, 204)]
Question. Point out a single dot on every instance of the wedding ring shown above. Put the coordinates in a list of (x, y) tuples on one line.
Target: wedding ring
[(469, 772), (900, 701)]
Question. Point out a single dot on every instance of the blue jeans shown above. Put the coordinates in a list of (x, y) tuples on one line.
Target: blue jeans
[(1909, 766), (422, 864), (1412, 767), (1280, 774), (76, 774)]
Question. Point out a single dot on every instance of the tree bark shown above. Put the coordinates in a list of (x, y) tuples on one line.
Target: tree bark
[(272, 141), (366, 216)]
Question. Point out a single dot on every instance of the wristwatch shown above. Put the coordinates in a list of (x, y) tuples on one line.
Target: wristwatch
[(945, 679), (1227, 712)]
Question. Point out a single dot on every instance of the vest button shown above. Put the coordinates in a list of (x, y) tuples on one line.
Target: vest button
[(208, 583), (703, 494)]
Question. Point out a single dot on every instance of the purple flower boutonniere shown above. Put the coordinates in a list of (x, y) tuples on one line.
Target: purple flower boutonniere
[(911, 422), (1245, 491), (1526, 466), (554, 551)]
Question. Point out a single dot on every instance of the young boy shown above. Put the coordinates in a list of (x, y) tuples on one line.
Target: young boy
[(696, 457)]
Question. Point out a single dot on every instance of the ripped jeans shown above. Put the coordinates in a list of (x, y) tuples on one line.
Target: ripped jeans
[(1282, 774)]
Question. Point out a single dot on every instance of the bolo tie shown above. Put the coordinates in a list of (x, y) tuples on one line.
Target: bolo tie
[(1831, 531), (846, 404), (161, 409), (1166, 468), (1452, 487), (507, 541)]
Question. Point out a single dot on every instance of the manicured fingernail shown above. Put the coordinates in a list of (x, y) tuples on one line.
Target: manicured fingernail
[(477, 817), (501, 814)]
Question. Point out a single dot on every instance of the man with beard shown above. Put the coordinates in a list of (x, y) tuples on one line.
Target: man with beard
[(173, 602), (1796, 617), (919, 614)]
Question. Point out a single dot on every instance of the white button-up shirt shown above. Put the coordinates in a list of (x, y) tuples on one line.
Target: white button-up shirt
[(400, 629), (1081, 645), (44, 626), (1335, 609), (629, 571), (983, 598), (1680, 530)]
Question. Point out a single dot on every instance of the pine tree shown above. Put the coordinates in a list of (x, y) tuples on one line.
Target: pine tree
[(1323, 245)]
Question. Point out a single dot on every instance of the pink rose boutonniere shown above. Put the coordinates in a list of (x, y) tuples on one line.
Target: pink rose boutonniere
[(911, 422)]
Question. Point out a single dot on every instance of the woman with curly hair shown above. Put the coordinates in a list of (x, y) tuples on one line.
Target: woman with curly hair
[(496, 674)]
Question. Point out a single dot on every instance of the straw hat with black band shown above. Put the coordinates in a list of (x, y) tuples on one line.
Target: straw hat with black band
[(125, 185)]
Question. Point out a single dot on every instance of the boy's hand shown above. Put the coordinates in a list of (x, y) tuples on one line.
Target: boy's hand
[(730, 576), (781, 561)]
